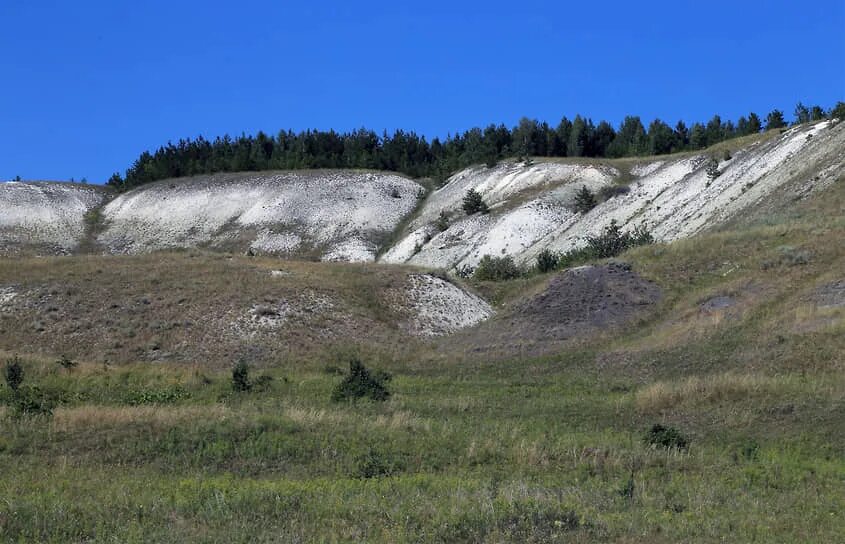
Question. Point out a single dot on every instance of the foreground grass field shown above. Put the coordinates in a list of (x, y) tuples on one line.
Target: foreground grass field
[(744, 358)]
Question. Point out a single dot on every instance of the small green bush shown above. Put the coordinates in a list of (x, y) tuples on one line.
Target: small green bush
[(612, 241), (66, 362), (31, 400), (666, 437), (473, 203), (584, 200), (374, 464), (496, 269), (14, 373), (547, 261), (240, 377), (360, 383)]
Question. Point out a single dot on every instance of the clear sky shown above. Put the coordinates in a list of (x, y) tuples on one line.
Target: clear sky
[(85, 86)]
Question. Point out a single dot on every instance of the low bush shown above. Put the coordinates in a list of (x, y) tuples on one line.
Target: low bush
[(66, 362), (496, 269), (361, 383), (30, 400), (612, 241), (240, 377), (666, 437), (375, 464), (547, 261), (14, 373)]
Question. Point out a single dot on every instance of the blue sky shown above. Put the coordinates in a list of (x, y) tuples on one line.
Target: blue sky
[(87, 85)]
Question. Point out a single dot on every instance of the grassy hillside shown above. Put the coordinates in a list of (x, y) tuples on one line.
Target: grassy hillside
[(743, 355)]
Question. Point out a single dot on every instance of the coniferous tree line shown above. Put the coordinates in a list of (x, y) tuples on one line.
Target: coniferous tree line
[(413, 155)]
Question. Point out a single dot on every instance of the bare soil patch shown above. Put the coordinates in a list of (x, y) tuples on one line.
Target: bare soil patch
[(576, 303)]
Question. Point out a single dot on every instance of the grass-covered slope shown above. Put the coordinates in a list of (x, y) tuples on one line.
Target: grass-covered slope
[(742, 355)]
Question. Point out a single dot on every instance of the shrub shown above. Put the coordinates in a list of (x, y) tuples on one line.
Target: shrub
[(14, 373), (442, 223), (609, 243), (240, 377), (546, 261), (496, 269), (473, 203), (30, 400), (584, 200), (666, 437), (262, 383), (66, 363), (374, 464), (612, 241), (574, 257), (360, 383)]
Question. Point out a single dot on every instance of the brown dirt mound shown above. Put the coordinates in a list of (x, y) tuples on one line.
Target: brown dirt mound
[(587, 297), (578, 302)]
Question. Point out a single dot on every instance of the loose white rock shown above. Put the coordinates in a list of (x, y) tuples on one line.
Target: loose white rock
[(439, 307)]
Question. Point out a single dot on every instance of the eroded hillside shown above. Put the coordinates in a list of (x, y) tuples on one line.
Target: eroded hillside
[(45, 217), (331, 215), (353, 215), (532, 207)]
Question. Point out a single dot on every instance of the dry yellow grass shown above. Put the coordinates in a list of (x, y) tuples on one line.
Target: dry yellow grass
[(728, 386)]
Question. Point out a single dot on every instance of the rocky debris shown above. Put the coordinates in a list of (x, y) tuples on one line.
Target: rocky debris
[(439, 307), (271, 315), (831, 295), (7, 295), (717, 303)]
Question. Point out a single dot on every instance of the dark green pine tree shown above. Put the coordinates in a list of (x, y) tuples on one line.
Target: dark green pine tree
[(775, 120), (802, 114), (577, 144), (754, 123), (584, 200)]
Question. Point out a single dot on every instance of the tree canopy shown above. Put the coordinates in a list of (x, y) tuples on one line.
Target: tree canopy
[(415, 156)]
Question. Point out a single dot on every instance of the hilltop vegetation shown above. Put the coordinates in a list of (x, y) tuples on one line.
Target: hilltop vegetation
[(411, 154)]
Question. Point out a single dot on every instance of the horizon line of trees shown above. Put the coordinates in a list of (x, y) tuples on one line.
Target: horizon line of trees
[(411, 154)]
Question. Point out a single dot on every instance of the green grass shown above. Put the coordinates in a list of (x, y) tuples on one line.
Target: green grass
[(497, 456)]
